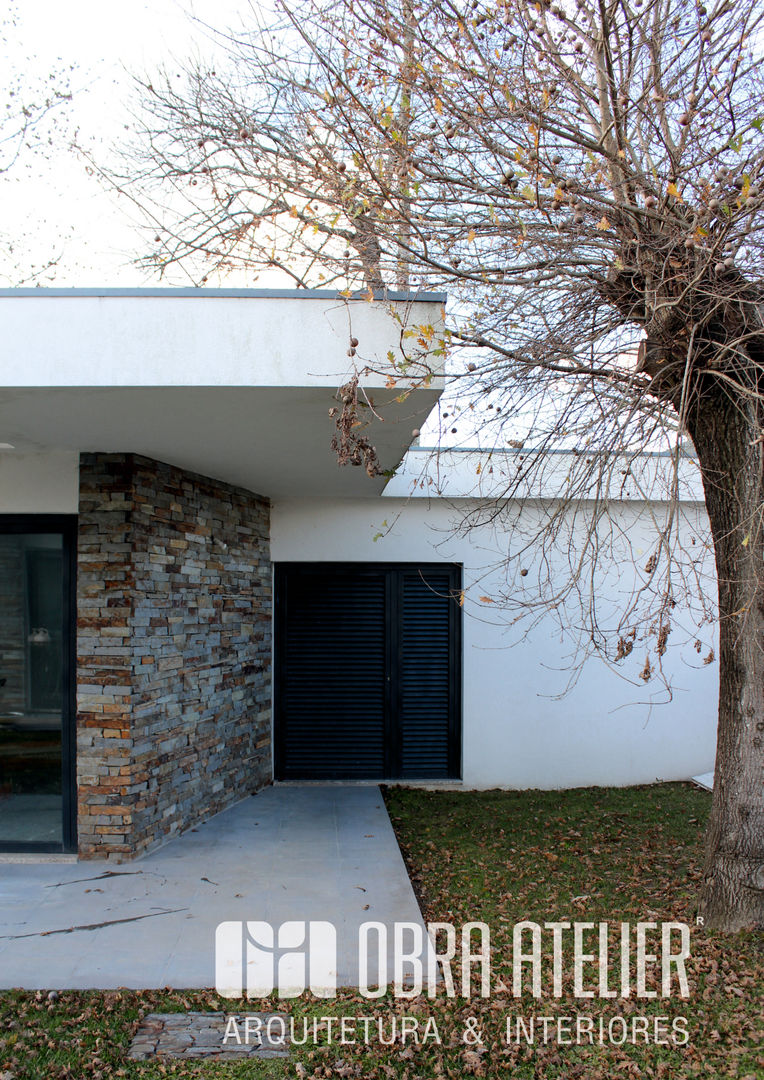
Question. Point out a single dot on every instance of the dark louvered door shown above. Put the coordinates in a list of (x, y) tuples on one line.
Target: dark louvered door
[(332, 667), (425, 690), (367, 664)]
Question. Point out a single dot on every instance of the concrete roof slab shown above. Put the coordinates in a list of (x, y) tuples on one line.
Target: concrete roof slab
[(232, 386)]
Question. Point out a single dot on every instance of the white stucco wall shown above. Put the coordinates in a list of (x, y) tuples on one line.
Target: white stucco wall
[(237, 387), (516, 733), (44, 483), (199, 337)]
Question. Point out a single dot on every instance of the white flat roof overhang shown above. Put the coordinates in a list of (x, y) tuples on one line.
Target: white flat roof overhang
[(233, 384)]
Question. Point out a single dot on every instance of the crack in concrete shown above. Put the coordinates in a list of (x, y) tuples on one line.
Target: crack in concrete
[(98, 877), (90, 926)]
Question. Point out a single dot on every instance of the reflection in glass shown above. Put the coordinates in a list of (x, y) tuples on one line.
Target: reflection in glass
[(31, 688)]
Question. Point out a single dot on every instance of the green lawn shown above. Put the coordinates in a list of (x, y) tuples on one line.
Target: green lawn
[(614, 855)]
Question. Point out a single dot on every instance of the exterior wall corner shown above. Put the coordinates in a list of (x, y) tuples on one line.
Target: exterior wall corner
[(174, 651)]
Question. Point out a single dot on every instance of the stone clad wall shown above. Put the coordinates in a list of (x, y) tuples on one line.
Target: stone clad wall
[(106, 791), (174, 644)]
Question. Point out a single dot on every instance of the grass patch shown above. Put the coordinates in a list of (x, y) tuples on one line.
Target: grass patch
[(498, 857)]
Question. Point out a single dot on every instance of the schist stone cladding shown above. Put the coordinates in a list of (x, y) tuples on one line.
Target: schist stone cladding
[(174, 651)]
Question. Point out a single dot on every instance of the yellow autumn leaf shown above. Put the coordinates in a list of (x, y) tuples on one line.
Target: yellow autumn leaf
[(603, 223), (461, 598), (470, 236), (486, 599), (747, 540), (438, 106), (674, 190)]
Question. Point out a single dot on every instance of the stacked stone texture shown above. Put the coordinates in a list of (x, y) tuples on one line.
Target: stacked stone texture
[(174, 651), (208, 1035)]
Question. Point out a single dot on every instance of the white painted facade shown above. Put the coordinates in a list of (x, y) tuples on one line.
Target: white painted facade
[(237, 387), (516, 732), (239, 390), (47, 482), (195, 337)]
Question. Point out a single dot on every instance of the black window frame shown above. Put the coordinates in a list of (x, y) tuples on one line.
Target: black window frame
[(65, 525)]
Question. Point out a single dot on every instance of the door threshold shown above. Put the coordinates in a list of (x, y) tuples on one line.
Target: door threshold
[(387, 782), (36, 857)]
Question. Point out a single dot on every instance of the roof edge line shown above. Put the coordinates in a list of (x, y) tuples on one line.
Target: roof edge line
[(233, 294)]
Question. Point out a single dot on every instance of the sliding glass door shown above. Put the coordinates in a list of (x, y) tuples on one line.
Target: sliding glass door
[(36, 683)]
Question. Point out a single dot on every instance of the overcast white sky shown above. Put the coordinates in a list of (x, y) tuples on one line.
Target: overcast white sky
[(48, 204)]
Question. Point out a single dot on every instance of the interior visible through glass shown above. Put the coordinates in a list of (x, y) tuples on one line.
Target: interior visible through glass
[(31, 688)]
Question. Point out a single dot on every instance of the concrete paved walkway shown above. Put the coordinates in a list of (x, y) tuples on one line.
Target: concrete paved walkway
[(289, 853)]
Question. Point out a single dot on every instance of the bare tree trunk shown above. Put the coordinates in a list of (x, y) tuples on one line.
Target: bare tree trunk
[(369, 251), (727, 437), (406, 77)]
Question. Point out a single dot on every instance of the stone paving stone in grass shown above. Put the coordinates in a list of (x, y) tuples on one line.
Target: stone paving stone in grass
[(202, 1035)]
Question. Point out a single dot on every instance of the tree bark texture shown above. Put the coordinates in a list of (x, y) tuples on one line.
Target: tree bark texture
[(726, 428)]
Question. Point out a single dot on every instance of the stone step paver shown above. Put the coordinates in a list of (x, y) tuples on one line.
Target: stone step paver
[(211, 1035)]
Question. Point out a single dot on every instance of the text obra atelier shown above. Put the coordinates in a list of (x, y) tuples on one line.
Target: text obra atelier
[(419, 964)]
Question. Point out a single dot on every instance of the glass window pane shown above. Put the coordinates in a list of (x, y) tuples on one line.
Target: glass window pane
[(31, 687)]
